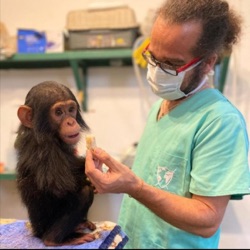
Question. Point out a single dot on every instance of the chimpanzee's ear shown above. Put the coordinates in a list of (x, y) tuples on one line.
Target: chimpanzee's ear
[(24, 114)]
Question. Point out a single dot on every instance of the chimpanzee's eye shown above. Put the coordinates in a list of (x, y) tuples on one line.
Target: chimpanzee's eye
[(58, 112), (72, 109)]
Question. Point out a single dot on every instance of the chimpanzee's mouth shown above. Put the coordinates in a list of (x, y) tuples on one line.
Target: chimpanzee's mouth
[(73, 136)]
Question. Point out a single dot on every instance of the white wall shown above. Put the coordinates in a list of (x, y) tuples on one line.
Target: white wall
[(117, 110)]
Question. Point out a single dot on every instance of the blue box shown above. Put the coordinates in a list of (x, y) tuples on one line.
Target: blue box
[(31, 41)]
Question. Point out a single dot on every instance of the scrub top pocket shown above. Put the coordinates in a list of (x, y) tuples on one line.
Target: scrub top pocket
[(170, 174)]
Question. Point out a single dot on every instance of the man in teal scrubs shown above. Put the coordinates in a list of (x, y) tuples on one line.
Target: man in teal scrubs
[(192, 158)]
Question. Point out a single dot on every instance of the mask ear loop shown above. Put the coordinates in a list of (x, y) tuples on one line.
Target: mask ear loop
[(199, 86), (205, 79)]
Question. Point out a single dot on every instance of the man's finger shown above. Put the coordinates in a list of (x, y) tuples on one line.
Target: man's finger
[(104, 157), (90, 167)]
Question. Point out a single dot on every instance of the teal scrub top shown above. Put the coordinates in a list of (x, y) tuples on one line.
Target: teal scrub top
[(200, 147)]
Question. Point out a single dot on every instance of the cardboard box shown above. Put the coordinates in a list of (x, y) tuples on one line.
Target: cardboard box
[(31, 41)]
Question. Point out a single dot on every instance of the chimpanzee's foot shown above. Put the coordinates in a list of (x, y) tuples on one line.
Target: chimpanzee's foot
[(85, 225), (75, 241)]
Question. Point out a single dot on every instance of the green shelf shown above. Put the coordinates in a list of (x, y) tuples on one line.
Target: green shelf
[(8, 176)]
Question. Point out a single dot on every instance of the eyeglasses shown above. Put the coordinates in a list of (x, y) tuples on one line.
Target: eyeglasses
[(167, 68)]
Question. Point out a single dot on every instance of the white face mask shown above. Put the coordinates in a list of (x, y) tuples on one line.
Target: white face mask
[(168, 86)]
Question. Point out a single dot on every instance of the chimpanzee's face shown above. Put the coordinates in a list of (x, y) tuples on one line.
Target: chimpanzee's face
[(63, 117)]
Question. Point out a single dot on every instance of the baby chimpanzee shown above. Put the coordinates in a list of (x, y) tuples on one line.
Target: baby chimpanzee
[(50, 176)]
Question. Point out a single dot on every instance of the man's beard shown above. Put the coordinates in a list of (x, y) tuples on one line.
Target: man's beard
[(194, 79)]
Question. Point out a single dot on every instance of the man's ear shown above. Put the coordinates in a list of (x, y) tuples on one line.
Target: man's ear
[(24, 114)]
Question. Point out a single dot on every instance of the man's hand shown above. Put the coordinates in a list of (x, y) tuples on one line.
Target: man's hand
[(117, 179)]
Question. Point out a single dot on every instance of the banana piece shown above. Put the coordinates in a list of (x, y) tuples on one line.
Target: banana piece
[(90, 141)]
